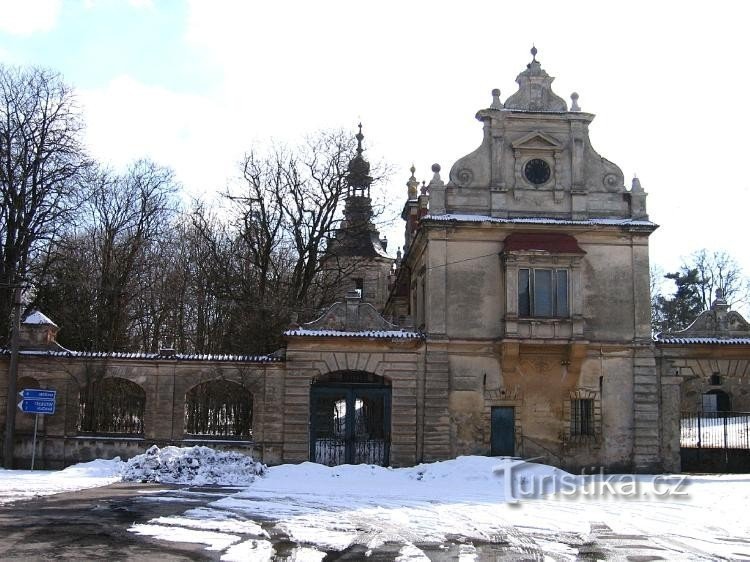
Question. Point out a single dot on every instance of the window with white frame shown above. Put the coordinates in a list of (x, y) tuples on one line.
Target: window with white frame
[(543, 293)]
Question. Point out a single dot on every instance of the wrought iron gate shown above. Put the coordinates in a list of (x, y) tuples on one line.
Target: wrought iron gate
[(715, 441), (350, 421)]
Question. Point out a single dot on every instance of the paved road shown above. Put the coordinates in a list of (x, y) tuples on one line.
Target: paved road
[(92, 525)]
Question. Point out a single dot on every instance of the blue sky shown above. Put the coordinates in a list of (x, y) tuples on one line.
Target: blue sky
[(93, 44), (194, 84)]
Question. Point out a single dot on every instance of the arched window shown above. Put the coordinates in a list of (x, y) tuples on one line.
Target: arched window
[(112, 405), (716, 401), (219, 408)]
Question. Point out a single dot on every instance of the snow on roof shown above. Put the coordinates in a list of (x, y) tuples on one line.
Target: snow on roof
[(149, 356), (713, 341), (541, 220), (37, 317), (400, 334)]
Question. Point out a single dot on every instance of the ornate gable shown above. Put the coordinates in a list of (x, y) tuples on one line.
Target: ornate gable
[(536, 160), (717, 322), (353, 316)]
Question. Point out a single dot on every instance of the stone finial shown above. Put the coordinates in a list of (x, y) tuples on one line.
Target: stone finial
[(574, 102), (436, 180), (399, 255), (423, 190), (720, 303), (412, 184), (293, 321), (535, 90), (496, 103), (533, 52), (636, 185)]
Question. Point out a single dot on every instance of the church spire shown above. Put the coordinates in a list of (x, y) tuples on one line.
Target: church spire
[(358, 176)]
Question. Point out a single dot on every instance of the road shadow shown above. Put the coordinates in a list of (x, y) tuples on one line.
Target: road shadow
[(93, 525)]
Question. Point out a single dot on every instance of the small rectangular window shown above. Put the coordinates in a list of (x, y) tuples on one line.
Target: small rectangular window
[(543, 293), (582, 416)]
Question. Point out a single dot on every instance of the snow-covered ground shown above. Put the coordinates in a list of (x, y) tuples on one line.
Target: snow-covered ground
[(471, 507), (26, 484), (467, 508)]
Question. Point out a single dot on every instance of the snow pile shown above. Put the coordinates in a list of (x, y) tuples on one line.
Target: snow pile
[(26, 484), (193, 465), (461, 478)]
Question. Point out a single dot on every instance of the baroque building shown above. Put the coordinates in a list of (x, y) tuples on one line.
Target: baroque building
[(516, 322), (529, 278)]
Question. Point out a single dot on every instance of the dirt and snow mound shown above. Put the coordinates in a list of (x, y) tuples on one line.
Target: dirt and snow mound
[(193, 465)]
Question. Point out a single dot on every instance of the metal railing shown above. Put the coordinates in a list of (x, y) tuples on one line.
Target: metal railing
[(715, 430)]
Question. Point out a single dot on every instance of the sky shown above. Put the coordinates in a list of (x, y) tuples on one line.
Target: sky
[(196, 84)]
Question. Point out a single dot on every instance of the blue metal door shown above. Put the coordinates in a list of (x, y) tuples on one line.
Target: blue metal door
[(502, 432)]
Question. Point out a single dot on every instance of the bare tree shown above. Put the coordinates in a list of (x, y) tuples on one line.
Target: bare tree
[(41, 160), (289, 210), (127, 213), (695, 285), (209, 280), (719, 270)]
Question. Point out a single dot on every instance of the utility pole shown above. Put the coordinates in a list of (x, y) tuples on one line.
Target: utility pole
[(10, 407)]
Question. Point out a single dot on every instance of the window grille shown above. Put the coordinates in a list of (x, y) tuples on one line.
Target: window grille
[(582, 416), (219, 408), (112, 405)]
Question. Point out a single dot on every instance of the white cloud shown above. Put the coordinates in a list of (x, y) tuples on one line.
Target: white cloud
[(128, 120), (29, 16), (415, 77)]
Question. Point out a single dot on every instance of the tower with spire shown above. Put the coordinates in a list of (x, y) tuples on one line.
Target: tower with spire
[(356, 257)]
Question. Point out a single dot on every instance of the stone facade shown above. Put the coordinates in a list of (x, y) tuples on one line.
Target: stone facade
[(522, 299), (535, 200)]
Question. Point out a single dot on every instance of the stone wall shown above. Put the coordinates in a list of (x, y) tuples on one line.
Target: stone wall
[(165, 382)]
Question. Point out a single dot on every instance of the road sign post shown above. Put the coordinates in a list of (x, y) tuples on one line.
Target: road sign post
[(39, 402)]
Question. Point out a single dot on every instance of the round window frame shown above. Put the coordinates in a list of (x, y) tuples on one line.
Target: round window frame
[(529, 180)]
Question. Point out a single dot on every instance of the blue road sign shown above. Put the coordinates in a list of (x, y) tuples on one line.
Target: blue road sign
[(37, 406), (37, 393)]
